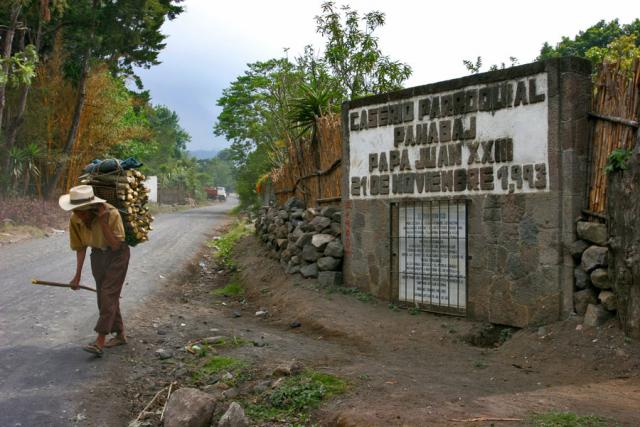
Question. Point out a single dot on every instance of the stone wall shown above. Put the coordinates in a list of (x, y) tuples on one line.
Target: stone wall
[(520, 271), (593, 295), (305, 241)]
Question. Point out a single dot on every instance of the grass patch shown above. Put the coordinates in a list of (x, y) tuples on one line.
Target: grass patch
[(566, 419), (355, 292), (202, 349), (414, 311), (293, 400), (215, 365), (232, 342), (224, 244), (235, 211), (232, 289)]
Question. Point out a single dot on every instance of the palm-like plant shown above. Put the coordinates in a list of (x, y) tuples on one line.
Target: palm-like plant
[(316, 98), (24, 164)]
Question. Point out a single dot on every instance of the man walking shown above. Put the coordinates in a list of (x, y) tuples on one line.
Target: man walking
[(96, 224)]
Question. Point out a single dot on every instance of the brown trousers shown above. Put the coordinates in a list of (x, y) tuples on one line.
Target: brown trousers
[(109, 269)]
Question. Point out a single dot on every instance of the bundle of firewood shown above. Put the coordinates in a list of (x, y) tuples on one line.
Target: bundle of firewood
[(125, 190)]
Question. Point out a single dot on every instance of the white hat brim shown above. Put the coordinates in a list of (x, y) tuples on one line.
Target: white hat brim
[(65, 202)]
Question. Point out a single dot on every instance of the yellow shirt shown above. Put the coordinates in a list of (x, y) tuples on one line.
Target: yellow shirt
[(81, 236)]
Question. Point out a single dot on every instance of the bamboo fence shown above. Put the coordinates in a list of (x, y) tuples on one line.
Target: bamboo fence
[(615, 110), (312, 174)]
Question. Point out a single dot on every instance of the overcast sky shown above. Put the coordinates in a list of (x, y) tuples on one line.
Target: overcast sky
[(210, 44)]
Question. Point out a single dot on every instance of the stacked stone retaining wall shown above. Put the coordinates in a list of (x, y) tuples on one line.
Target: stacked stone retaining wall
[(593, 297), (306, 241)]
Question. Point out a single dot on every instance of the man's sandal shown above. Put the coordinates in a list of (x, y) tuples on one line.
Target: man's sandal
[(93, 349), (116, 341)]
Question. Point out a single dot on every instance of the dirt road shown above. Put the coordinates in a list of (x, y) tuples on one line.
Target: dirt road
[(42, 328)]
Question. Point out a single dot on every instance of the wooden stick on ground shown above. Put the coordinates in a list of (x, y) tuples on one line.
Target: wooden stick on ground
[(166, 401), (59, 285), (150, 403)]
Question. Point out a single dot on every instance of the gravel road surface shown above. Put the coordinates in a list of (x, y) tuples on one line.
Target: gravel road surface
[(42, 328)]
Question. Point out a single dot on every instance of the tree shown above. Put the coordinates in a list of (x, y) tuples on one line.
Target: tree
[(353, 55), (14, 9), (599, 35), (271, 110), (216, 172), (623, 50), (121, 33), (22, 66), (255, 106)]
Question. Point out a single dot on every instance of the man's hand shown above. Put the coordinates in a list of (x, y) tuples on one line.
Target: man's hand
[(75, 283)]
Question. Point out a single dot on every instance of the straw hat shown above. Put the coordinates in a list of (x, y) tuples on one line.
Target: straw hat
[(78, 198)]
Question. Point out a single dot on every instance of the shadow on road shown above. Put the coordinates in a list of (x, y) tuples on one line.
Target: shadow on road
[(40, 383)]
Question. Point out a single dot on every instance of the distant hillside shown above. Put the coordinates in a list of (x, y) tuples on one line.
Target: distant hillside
[(203, 154)]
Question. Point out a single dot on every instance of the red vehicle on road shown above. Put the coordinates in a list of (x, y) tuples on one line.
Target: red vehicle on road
[(212, 193)]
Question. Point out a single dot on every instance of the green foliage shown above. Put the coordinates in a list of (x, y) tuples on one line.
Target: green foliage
[(232, 342), (414, 311), (292, 401), (69, 45), (257, 164), (21, 67), (215, 365), (217, 172), (599, 35), (254, 110), (232, 289), (23, 166), (623, 50), (618, 160), (475, 67), (125, 34), (566, 419), (315, 100), (353, 54), (273, 106), (163, 150), (255, 118), (608, 41), (202, 349), (225, 244), (235, 211)]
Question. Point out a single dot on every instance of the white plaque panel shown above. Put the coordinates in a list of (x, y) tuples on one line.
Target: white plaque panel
[(480, 139), (432, 254)]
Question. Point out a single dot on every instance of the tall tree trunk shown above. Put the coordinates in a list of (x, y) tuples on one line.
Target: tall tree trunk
[(6, 53), (61, 165), (624, 242), (14, 125), (73, 130)]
